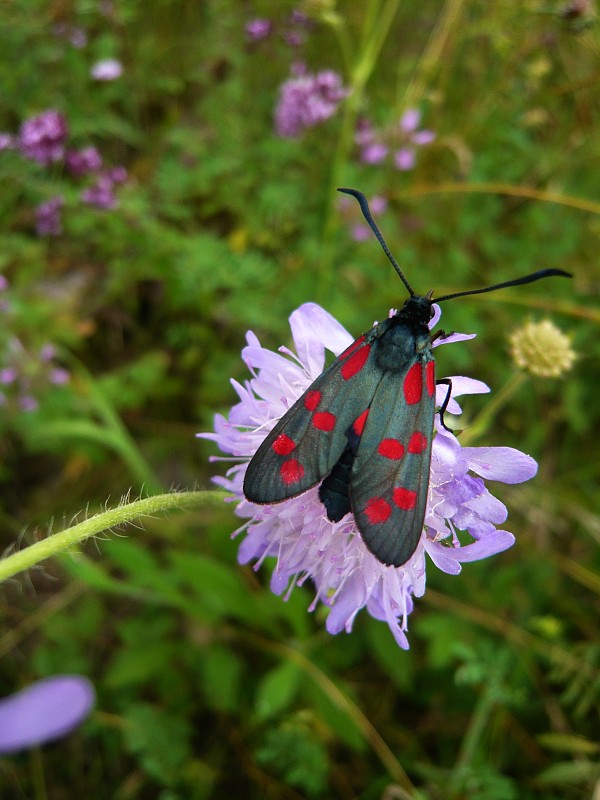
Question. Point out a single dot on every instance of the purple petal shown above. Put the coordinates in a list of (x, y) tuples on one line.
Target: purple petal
[(463, 385), (454, 337), (500, 463), (448, 559), (46, 710), (410, 120), (373, 153), (423, 137), (311, 325), (404, 158)]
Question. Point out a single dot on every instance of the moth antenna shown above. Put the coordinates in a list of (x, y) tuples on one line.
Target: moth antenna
[(364, 207), (535, 276)]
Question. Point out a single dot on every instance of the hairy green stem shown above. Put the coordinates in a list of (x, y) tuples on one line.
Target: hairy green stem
[(76, 534)]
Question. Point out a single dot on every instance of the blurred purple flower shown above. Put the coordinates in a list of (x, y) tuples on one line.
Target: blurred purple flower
[(47, 710), (82, 162), (297, 533), (359, 230), (101, 193), (108, 69), (72, 33), (404, 158), (118, 174), (306, 100), (257, 29), (28, 403), (48, 217), (409, 121), (402, 139), (6, 141), (42, 138)]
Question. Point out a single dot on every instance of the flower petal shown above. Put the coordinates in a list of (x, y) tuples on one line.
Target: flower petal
[(500, 463), (46, 710), (311, 327)]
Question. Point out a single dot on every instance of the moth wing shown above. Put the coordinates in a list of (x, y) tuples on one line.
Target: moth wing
[(390, 475), (308, 440)]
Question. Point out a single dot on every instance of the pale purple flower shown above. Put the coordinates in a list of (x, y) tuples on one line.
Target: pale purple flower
[(117, 174), (410, 120), (108, 69), (42, 138), (374, 153), (101, 193), (297, 533), (82, 162), (404, 158), (59, 376), (72, 33), (44, 711), (402, 139), (48, 217), (359, 230), (306, 100), (6, 141), (28, 403), (259, 28)]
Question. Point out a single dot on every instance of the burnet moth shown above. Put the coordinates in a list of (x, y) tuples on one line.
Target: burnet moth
[(363, 429)]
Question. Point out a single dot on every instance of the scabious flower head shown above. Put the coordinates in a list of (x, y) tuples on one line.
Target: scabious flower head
[(42, 138), (305, 100), (47, 710), (297, 533), (542, 349)]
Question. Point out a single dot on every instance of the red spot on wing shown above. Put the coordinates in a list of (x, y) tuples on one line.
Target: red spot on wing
[(355, 362), (352, 347), (283, 445), (378, 510), (405, 498), (430, 377), (323, 420), (391, 448), (291, 471), (413, 384), (358, 425), (418, 443), (312, 399)]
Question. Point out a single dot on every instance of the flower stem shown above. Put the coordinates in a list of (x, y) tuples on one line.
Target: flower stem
[(474, 734), (149, 506), (483, 420), (372, 40)]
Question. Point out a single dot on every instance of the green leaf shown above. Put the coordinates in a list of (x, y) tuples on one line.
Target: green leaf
[(277, 690), (160, 740), (222, 671)]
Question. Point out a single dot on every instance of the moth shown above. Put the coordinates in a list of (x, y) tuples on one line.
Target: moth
[(363, 430)]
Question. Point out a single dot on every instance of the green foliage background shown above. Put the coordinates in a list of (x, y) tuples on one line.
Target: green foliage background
[(209, 686)]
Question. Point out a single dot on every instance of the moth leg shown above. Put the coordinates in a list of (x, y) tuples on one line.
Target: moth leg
[(447, 382), (440, 335)]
